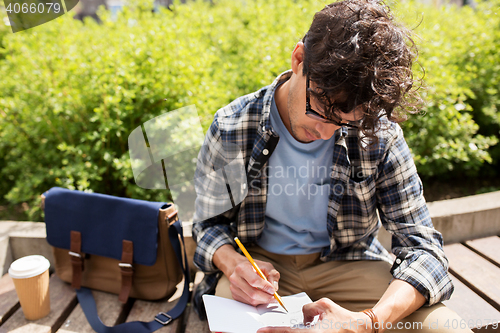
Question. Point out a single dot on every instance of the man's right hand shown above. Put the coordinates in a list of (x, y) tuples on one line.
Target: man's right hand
[(245, 284)]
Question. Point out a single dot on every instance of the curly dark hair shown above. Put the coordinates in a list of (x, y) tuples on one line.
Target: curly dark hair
[(354, 48)]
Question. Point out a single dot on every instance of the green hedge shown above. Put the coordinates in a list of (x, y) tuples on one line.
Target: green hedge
[(71, 92), (459, 50)]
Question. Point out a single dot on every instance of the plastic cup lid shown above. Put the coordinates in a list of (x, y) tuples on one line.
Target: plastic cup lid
[(28, 266)]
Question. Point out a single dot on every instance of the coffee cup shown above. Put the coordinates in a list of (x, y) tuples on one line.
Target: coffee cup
[(31, 279)]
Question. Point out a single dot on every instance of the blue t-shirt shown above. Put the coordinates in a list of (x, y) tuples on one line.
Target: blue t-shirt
[(298, 191)]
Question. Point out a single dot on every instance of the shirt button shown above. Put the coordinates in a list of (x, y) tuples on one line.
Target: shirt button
[(265, 152), (398, 261)]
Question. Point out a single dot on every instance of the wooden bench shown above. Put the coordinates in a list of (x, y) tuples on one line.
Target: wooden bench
[(475, 270), (474, 265)]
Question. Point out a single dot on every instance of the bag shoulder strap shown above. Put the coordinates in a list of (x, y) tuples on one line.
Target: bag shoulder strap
[(87, 301)]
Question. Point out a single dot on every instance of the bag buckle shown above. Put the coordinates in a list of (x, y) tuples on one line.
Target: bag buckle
[(74, 254), (171, 216), (166, 322), (126, 270), (124, 265)]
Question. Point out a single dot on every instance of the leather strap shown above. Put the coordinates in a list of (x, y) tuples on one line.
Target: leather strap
[(76, 259), (126, 269), (87, 301), (374, 319)]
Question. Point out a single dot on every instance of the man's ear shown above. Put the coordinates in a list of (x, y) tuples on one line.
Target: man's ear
[(298, 58)]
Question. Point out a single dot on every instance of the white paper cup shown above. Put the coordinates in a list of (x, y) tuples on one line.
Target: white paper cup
[(31, 279)]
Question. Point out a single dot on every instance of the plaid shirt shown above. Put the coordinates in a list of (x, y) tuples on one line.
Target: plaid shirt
[(367, 188)]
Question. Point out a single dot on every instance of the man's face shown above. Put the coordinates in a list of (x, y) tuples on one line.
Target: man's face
[(305, 129)]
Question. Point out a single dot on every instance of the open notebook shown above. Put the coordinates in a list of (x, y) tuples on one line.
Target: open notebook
[(230, 316)]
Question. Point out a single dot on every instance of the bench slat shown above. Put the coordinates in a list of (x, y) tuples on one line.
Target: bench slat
[(477, 273), (489, 329), (62, 302), (109, 308), (489, 247), (9, 302), (470, 306)]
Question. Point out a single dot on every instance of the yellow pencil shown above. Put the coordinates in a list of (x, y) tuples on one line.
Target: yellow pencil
[(249, 257)]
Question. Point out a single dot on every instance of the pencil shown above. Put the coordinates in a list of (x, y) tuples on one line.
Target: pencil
[(257, 269)]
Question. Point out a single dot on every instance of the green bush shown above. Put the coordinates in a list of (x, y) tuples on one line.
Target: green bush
[(456, 50), (484, 61), (72, 92)]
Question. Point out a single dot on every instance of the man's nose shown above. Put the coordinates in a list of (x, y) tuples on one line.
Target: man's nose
[(326, 130)]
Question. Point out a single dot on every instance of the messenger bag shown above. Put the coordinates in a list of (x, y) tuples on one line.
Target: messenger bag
[(132, 248)]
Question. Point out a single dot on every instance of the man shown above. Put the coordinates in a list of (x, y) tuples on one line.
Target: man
[(326, 161)]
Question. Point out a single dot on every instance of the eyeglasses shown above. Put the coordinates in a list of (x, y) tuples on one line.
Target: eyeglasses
[(319, 117)]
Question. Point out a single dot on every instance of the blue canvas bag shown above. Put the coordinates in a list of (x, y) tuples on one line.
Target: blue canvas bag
[(129, 247)]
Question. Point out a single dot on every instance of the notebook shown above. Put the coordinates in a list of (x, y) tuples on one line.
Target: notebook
[(230, 316)]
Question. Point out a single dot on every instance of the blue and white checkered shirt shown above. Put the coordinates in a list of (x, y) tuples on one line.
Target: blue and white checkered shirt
[(363, 182)]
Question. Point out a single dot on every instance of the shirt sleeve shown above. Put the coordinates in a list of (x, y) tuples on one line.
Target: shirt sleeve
[(418, 246), (214, 209)]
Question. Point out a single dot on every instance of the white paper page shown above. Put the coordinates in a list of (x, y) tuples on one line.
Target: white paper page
[(225, 315)]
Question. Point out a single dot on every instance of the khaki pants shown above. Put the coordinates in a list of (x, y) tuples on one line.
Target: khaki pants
[(354, 285)]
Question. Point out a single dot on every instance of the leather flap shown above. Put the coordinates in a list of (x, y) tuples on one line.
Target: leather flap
[(104, 221)]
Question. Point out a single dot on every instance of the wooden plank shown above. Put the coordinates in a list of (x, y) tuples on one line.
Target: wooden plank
[(147, 310), (62, 302), (477, 273), (474, 310), (193, 324), (9, 302), (488, 247), (5, 254), (487, 329), (109, 308)]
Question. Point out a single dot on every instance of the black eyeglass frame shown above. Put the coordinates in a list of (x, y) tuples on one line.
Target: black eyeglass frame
[(318, 116)]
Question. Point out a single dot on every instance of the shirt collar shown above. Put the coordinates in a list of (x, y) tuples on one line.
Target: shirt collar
[(268, 98)]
